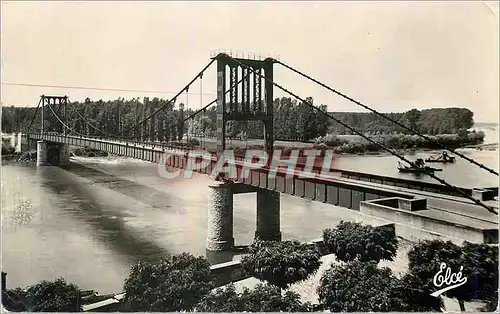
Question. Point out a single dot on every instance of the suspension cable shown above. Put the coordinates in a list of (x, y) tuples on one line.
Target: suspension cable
[(369, 139), (34, 115), (209, 104), (171, 100), (91, 125), (187, 110), (388, 118), (202, 142), (64, 124), (186, 88)]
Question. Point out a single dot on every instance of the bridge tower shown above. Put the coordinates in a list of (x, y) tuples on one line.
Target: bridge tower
[(252, 99), (50, 153)]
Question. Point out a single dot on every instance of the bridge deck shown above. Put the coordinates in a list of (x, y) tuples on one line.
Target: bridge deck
[(453, 204), (460, 210)]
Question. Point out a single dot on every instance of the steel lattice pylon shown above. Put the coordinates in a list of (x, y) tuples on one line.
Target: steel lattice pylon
[(253, 100)]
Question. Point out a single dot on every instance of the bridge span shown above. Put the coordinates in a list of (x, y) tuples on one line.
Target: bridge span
[(438, 210), (349, 190)]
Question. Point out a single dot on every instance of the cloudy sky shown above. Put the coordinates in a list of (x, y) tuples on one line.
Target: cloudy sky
[(393, 56)]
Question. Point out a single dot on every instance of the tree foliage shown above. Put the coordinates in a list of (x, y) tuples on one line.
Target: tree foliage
[(479, 264), (354, 145), (262, 298), (429, 121), (46, 296), (281, 263), (349, 240), (293, 121), (358, 286), (169, 285)]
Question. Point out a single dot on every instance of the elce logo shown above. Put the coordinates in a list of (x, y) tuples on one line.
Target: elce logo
[(452, 280)]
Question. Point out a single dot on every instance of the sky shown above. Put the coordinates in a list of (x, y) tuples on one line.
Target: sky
[(392, 56)]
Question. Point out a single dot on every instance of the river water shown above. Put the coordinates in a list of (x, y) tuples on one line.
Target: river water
[(91, 221)]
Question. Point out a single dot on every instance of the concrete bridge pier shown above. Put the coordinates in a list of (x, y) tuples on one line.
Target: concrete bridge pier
[(51, 154), (268, 215), (220, 217), (220, 214), (42, 152), (63, 154), (15, 142)]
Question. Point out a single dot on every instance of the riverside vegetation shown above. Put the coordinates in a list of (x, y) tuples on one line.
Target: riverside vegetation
[(184, 282), (293, 121)]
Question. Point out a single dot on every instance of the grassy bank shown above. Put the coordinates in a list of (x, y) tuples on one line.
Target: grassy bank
[(352, 144), (399, 141)]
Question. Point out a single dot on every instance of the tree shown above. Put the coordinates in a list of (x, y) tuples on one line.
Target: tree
[(417, 294), (221, 300), (13, 300), (46, 296), (483, 282), (281, 263), (358, 286), (350, 240), (413, 116), (477, 262), (263, 298), (168, 286)]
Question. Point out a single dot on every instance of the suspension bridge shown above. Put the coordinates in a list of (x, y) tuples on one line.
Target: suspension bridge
[(245, 93)]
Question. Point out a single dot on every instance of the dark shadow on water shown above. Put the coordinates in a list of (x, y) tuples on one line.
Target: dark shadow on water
[(112, 230), (144, 194), (109, 230)]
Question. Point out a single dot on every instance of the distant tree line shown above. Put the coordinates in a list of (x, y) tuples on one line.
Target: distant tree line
[(293, 121), (429, 121)]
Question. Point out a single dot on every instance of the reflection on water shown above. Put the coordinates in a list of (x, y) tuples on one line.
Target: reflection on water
[(93, 219), (89, 223)]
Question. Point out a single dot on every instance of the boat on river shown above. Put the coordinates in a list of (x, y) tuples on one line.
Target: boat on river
[(419, 169), (442, 158)]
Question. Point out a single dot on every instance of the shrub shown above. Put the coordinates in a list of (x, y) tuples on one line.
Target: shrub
[(170, 285), (352, 240), (263, 298), (221, 300), (479, 262), (47, 296), (360, 287), (281, 263)]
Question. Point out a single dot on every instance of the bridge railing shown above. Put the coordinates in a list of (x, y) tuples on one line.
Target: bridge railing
[(241, 162)]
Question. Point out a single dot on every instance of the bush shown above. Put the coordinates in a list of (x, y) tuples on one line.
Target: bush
[(349, 241), (46, 296), (360, 287), (13, 300), (281, 263), (479, 262), (483, 284), (400, 141), (221, 300), (7, 150), (168, 286), (417, 295), (263, 298)]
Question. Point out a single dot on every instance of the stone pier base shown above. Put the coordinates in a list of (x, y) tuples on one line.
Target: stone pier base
[(52, 154), (268, 215), (63, 154), (42, 151), (220, 217)]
